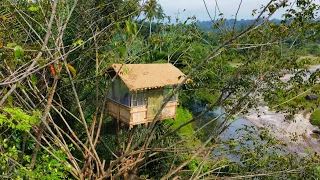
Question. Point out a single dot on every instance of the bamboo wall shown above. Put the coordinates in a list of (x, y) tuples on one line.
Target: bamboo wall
[(118, 111), (137, 115)]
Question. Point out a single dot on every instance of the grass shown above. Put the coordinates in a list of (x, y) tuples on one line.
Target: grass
[(304, 61), (192, 142), (235, 64), (315, 118), (293, 103), (183, 116)]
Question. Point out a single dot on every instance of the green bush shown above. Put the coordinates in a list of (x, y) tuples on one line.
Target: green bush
[(206, 96), (315, 118), (304, 61), (14, 161), (183, 116)]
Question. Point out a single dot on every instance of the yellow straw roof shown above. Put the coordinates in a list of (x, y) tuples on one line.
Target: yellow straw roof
[(147, 76)]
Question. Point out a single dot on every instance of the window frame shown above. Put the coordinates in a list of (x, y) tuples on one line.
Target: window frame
[(139, 98)]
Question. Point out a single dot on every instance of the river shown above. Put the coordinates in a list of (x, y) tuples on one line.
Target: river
[(296, 134)]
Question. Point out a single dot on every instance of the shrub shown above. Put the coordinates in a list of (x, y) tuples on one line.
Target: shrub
[(315, 118), (183, 116), (289, 117)]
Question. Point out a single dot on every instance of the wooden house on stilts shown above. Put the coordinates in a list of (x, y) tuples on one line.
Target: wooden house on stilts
[(138, 90)]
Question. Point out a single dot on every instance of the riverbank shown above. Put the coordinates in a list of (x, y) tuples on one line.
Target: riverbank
[(297, 133), (311, 69)]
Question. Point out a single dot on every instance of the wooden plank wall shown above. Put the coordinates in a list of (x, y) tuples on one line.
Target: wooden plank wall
[(118, 111), (170, 110), (139, 115)]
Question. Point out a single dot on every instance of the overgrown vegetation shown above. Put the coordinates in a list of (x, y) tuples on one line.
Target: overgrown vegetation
[(16, 148), (54, 59), (315, 118), (293, 100), (183, 116)]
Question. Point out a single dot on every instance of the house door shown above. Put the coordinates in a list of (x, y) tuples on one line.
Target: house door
[(155, 100)]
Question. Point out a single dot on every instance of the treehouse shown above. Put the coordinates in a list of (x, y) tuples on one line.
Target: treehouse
[(138, 90)]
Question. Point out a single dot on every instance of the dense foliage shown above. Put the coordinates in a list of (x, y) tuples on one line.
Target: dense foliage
[(54, 63), (315, 118)]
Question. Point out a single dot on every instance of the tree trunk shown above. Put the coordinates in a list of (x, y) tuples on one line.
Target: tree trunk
[(150, 28), (43, 120)]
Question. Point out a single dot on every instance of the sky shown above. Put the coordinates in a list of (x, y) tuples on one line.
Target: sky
[(189, 8)]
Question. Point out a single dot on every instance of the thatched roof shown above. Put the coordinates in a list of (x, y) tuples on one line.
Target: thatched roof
[(147, 76)]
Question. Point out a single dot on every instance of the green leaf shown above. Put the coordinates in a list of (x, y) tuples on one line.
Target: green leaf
[(134, 28), (18, 51), (79, 42), (272, 8), (308, 151), (11, 45), (27, 158), (222, 49), (125, 70), (34, 8), (128, 26), (10, 100), (34, 79), (121, 51), (131, 28)]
